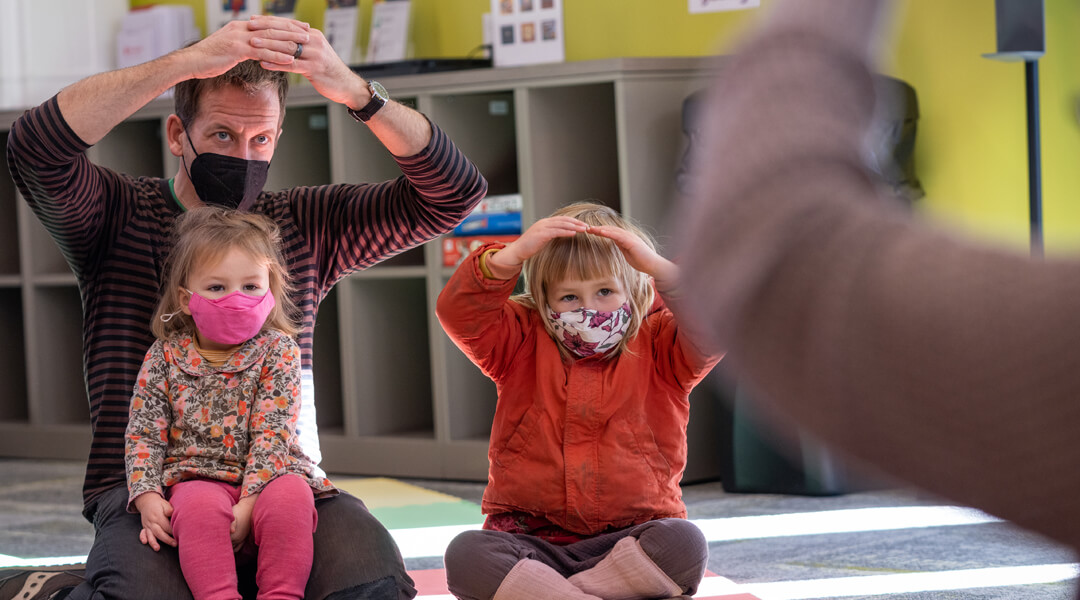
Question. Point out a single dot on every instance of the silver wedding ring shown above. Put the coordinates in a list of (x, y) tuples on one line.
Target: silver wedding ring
[(299, 50)]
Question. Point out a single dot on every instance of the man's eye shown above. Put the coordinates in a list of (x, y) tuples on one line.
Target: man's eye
[(262, 139), (222, 136)]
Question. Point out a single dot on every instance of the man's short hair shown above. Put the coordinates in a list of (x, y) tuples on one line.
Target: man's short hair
[(248, 76)]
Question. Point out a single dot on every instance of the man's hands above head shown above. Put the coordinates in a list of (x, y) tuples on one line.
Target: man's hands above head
[(319, 63), (268, 39)]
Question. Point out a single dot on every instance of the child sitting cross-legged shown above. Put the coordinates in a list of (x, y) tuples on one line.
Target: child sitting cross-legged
[(588, 443)]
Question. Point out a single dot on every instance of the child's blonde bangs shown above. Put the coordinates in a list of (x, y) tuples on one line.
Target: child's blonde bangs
[(585, 256), (582, 256)]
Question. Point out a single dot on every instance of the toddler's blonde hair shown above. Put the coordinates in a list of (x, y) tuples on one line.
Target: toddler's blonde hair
[(586, 256), (202, 237)]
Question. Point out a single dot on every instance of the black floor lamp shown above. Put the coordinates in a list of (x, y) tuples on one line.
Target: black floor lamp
[(1021, 36)]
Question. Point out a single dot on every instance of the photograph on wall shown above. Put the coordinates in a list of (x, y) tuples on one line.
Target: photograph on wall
[(280, 8), (220, 12), (548, 29), (528, 32)]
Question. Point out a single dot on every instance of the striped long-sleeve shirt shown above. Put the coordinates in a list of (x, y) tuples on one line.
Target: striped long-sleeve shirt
[(114, 230)]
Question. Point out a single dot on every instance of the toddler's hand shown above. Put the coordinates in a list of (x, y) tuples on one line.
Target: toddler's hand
[(154, 511), (507, 262), (241, 525), (640, 256)]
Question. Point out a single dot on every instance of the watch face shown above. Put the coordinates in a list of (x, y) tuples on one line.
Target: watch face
[(378, 90)]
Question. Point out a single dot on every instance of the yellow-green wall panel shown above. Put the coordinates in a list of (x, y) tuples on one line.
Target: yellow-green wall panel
[(971, 148)]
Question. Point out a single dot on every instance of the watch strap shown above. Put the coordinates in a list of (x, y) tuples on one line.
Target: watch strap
[(378, 100)]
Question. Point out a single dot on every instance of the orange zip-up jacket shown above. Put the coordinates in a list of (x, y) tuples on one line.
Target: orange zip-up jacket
[(589, 443)]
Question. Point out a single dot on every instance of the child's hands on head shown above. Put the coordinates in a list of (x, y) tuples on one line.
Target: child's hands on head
[(154, 511), (641, 256), (507, 262)]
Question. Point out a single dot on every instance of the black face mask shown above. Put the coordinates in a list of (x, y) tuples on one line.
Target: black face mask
[(226, 180)]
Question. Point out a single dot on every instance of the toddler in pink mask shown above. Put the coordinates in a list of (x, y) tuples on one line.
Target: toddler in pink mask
[(213, 465)]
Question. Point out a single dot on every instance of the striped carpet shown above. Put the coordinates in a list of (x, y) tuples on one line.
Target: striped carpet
[(423, 521)]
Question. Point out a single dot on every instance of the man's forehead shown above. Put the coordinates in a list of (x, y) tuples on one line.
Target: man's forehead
[(231, 105)]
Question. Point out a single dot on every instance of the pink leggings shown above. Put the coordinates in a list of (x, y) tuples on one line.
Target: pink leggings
[(282, 524)]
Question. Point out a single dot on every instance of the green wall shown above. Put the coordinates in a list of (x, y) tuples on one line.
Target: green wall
[(971, 147)]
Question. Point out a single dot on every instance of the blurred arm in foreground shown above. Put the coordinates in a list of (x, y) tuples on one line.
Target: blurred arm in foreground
[(943, 362)]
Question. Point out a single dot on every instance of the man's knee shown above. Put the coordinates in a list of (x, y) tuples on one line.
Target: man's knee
[(120, 566), (381, 589), (344, 519), (354, 552)]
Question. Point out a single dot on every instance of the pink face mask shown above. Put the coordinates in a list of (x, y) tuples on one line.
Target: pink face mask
[(232, 319)]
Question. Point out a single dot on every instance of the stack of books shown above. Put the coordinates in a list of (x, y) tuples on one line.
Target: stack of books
[(495, 219)]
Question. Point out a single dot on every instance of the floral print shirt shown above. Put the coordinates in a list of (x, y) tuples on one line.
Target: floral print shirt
[(234, 423)]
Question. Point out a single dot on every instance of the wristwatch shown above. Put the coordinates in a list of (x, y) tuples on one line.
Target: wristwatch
[(378, 99)]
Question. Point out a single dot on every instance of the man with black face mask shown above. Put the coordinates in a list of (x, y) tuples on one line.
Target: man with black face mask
[(115, 232)]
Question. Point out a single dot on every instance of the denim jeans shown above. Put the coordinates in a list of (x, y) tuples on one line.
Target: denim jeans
[(355, 557)]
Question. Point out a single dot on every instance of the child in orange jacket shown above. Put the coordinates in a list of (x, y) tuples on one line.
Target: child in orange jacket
[(588, 443)]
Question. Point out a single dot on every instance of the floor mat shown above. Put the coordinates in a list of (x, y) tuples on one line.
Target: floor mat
[(401, 505)]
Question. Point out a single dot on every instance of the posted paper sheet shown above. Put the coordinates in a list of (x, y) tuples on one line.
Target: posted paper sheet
[(527, 32)]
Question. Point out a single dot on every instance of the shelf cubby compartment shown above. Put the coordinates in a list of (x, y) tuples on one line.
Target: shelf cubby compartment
[(483, 126), (14, 409), (9, 234), (651, 109), (55, 348), (385, 357), (471, 394), (326, 368), (304, 159), (409, 263), (134, 147), (571, 133), (464, 387), (356, 155), (395, 397)]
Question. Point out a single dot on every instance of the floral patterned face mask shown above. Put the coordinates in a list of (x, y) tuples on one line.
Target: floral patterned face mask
[(588, 332)]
